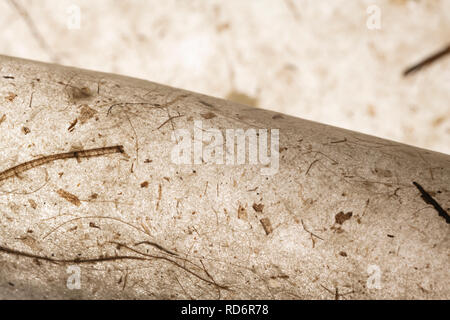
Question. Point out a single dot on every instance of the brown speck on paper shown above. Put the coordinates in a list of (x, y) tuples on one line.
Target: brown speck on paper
[(69, 197)]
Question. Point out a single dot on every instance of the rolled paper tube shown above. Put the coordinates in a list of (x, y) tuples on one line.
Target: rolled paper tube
[(124, 188)]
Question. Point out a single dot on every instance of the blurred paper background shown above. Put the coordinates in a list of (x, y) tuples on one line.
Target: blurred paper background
[(338, 62)]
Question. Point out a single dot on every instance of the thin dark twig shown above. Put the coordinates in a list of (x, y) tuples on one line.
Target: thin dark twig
[(16, 170), (312, 235), (174, 263), (309, 168), (154, 244), (427, 61), (429, 200), (75, 260), (170, 119)]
